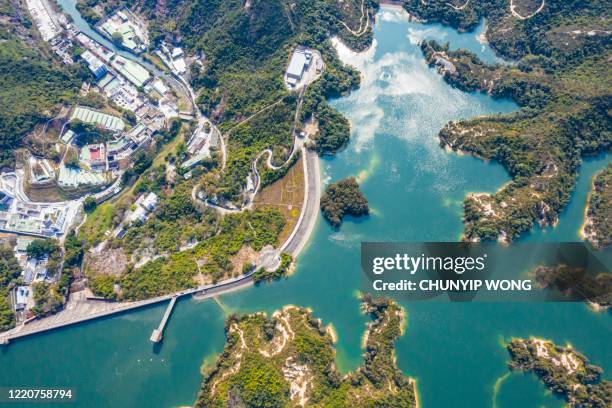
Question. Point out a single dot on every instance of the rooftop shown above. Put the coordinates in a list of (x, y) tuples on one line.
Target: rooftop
[(297, 64), (89, 115), (133, 72)]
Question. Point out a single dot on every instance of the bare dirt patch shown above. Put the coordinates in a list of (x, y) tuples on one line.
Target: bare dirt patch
[(106, 262), (244, 256)]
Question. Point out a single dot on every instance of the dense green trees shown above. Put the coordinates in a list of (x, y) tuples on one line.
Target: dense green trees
[(9, 275), (343, 198), (598, 229), (260, 384), (582, 386), (47, 299), (40, 248), (89, 204), (177, 270), (563, 87)]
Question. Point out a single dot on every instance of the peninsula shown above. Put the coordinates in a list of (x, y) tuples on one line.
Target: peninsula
[(559, 78), (287, 360), (597, 227), (147, 164), (563, 370)]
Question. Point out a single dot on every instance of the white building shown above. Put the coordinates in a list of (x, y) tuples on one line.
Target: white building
[(150, 201), (21, 297), (144, 206), (298, 65)]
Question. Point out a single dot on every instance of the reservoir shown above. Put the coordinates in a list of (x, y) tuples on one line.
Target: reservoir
[(415, 190)]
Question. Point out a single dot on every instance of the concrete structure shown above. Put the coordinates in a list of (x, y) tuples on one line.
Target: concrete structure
[(144, 206), (150, 202), (34, 219), (159, 86), (73, 178), (94, 155), (35, 270), (174, 58), (158, 333), (67, 137), (95, 64), (20, 297), (41, 14), (81, 310), (40, 171), (123, 22)]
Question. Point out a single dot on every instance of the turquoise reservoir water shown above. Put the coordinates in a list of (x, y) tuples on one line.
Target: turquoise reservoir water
[(415, 190)]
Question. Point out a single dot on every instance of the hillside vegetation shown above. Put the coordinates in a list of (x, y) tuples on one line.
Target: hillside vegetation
[(565, 94), (598, 225), (32, 82), (563, 370), (9, 278), (244, 49)]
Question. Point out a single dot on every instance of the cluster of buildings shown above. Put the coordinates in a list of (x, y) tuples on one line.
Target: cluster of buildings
[(143, 207), (35, 219), (96, 160), (124, 82), (32, 270), (173, 57), (126, 25)]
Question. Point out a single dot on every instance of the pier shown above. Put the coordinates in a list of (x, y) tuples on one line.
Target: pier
[(158, 333), (80, 309)]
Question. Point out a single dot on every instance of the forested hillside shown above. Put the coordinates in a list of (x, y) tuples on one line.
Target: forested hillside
[(598, 223), (244, 48), (32, 84), (563, 84)]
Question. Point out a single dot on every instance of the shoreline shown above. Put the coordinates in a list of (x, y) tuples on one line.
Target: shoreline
[(586, 220)]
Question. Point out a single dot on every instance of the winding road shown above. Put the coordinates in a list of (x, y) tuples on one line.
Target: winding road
[(517, 15), (362, 29)]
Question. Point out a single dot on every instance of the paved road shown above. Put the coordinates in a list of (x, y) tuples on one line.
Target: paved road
[(80, 309), (310, 208)]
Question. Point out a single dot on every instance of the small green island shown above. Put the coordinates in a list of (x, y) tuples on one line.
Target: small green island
[(287, 360), (563, 370), (341, 199), (597, 227)]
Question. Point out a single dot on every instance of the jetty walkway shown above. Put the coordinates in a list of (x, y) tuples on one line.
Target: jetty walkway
[(80, 309)]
